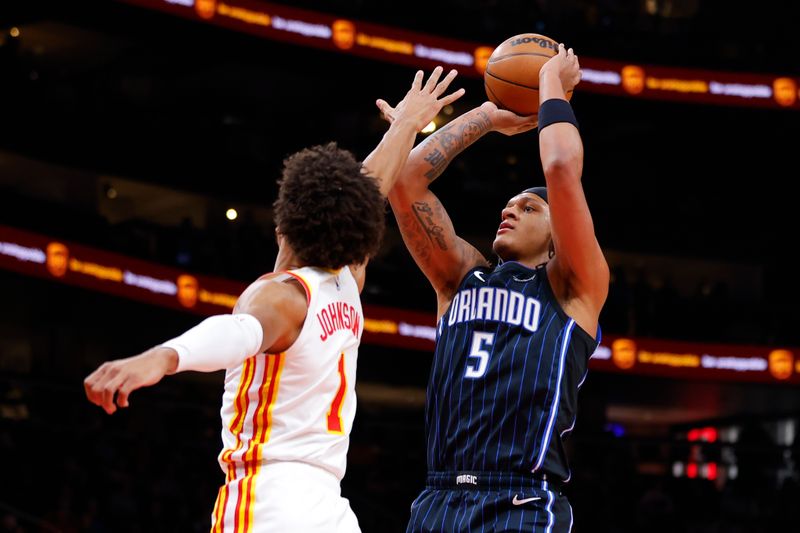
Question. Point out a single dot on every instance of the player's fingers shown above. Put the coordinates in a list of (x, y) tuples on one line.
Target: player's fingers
[(91, 394), (417, 83), (89, 383), (434, 79), (383, 105), (107, 400), (97, 374), (385, 109), (442, 86), (109, 389), (522, 129), (93, 384), (452, 97), (123, 393)]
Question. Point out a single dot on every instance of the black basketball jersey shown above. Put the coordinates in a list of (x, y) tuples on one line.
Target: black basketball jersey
[(508, 364)]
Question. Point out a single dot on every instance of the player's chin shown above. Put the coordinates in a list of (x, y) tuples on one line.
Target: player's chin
[(501, 245)]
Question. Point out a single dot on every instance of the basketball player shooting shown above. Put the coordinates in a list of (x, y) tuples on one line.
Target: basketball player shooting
[(513, 342), (289, 347)]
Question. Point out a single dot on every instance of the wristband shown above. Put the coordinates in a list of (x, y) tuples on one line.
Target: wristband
[(555, 110)]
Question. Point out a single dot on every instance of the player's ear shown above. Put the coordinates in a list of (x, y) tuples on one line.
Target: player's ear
[(551, 250)]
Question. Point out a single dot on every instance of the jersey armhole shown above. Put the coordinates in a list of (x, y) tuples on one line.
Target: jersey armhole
[(303, 283)]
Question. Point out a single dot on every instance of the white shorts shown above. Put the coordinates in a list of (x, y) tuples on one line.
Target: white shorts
[(283, 497)]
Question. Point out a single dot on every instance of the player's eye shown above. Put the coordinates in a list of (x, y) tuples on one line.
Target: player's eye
[(529, 209)]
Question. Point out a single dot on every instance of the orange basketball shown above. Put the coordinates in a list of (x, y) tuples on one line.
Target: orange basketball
[(511, 78)]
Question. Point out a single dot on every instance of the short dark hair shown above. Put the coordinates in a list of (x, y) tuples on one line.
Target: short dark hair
[(330, 211)]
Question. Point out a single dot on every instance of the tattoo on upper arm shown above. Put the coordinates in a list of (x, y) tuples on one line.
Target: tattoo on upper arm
[(453, 139), (427, 219), (415, 237)]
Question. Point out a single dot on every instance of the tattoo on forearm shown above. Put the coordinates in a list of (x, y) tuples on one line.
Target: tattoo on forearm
[(438, 163), (426, 218), (450, 142), (453, 138)]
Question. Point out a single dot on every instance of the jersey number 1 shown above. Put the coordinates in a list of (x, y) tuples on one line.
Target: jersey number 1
[(480, 342), (335, 414)]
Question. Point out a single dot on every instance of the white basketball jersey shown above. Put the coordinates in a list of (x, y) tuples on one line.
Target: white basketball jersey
[(298, 405)]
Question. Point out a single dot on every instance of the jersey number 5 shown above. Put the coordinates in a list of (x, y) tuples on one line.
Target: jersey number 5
[(480, 342)]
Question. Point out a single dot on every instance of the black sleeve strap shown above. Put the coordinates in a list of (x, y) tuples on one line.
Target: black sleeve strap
[(555, 110)]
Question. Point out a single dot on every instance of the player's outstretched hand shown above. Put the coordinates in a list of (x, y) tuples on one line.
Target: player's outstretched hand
[(422, 102), (565, 65), (110, 385), (507, 122)]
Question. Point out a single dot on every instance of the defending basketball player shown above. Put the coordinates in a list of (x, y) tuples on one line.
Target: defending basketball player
[(291, 343), (513, 342)]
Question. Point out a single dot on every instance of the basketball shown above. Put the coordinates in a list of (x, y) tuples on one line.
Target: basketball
[(511, 78)]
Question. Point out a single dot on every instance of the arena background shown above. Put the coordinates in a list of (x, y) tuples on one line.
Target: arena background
[(130, 132)]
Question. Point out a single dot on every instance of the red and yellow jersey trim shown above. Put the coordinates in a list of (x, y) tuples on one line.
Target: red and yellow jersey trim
[(304, 283), (251, 457)]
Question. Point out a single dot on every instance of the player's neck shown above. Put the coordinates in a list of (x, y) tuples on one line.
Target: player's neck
[(533, 261), (287, 259)]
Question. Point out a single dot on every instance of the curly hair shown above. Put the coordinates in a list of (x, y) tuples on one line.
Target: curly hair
[(329, 210)]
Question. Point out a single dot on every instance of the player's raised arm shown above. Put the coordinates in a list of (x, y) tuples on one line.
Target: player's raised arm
[(426, 227), (579, 268), (268, 317), (420, 105)]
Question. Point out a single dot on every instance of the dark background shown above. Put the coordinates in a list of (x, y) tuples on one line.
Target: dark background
[(693, 205)]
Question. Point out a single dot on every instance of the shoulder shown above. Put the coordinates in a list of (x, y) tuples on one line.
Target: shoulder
[(274, 293), (472, 261), (476, 275)]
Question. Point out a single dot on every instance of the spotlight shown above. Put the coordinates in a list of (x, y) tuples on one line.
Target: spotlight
[(430, 128)]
